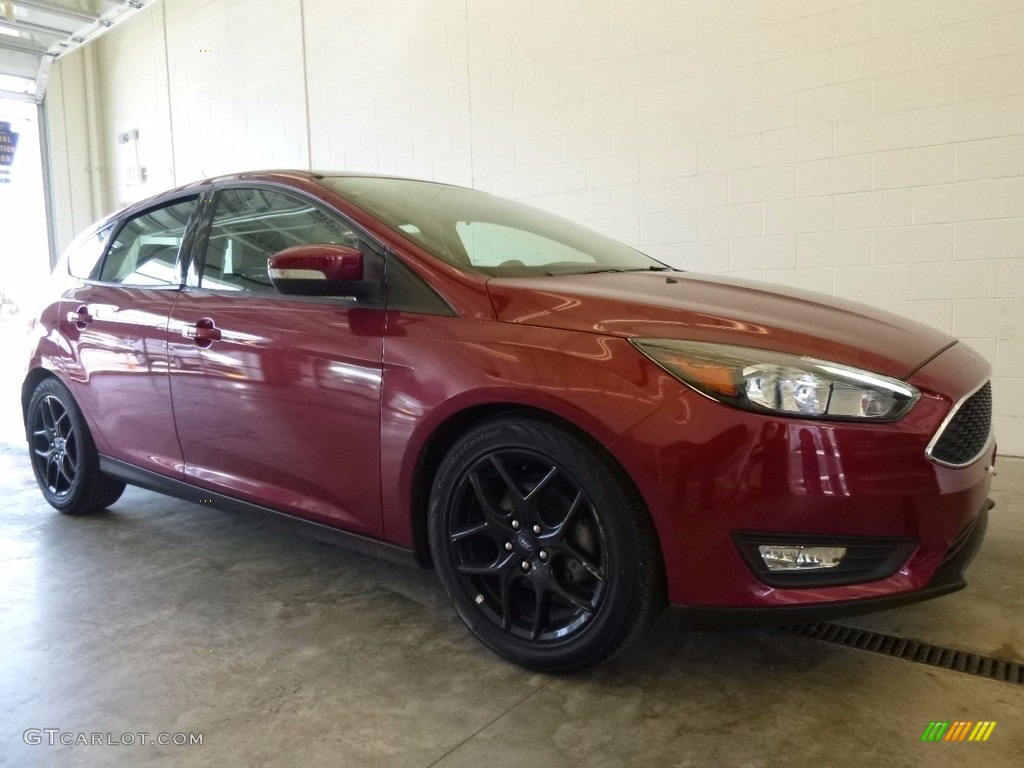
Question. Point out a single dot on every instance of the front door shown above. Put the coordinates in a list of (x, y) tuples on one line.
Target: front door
[(277, 399)]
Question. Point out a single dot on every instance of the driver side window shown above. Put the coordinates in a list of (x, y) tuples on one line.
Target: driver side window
[(145, 251), (250, 225)]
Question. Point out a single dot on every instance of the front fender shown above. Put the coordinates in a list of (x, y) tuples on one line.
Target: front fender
[(437, 368)]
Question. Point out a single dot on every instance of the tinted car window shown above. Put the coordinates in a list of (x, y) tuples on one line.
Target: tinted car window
[(145, 251), (84, 256), (251, 225)]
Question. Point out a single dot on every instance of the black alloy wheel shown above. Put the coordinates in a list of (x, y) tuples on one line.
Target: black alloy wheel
[(54, 446), (544, 552), (64, 458), (525, 537)]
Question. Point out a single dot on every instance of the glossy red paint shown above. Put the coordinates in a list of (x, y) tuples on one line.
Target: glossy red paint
[(117, 365), (739, 471), (335, 263), (284, 409), (723, 310), (329, 412), (439, 367)]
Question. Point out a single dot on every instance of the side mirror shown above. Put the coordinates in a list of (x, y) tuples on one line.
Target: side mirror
[(319, 270)]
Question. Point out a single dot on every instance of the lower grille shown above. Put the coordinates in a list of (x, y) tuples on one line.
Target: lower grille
[(965, 433)]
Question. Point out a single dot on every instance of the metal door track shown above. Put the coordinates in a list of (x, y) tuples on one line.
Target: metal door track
[(913, 650)]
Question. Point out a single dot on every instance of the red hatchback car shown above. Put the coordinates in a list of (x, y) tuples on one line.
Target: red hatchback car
[(570, 431)]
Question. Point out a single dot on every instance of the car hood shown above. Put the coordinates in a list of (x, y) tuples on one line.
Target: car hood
[(685, 305)]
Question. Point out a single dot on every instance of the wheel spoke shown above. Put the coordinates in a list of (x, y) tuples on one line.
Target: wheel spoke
[(52, 473), (540, 613), (506, 599), (478, 569), (494, 568), (577, 554), (63, 471), (505, 476), (565, 595), (543, 482), (560, 526), (57, 422), (46, 410), (491, 514), (469, 531)]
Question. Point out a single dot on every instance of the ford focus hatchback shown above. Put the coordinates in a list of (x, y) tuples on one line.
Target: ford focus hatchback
[(570, 432)]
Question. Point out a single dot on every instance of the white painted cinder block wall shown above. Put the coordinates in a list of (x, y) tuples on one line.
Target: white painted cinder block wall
[(871, 150)]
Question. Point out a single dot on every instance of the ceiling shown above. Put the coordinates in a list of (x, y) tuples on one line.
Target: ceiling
[(35, 32)]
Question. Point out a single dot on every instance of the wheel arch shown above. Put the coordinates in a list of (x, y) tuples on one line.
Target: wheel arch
[(457, 424), (33, 379)]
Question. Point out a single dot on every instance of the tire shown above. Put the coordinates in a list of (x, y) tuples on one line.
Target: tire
[(64, 457), (544, 548)]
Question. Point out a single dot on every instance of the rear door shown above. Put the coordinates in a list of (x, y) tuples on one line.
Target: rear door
[(117, 325), (277, 399)]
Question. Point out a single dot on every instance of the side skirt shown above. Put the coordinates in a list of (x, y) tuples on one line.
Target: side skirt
[(153, 481)]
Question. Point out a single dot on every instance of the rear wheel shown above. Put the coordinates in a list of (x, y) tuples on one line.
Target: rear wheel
[(64, 457), (543, 547)]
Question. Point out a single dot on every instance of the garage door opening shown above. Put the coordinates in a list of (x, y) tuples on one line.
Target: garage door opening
[(24, 247)]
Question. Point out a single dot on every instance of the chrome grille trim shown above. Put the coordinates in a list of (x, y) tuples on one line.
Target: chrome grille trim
[(928, 452)]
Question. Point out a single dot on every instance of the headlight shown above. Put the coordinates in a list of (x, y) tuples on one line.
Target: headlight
[(759, 380)]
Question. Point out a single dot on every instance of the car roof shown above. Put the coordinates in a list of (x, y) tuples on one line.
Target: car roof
[(286, 177), (279, 176)]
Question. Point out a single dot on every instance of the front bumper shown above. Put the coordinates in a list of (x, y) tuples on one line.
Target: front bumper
[(709, 472), (948, 578)]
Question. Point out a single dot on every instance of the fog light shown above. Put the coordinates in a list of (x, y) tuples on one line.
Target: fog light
[(796, 558)]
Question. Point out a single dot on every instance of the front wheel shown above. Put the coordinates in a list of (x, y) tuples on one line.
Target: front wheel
[(543, 547), (64, 458)]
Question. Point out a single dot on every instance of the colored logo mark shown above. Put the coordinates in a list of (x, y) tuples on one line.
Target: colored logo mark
[(958, 730)]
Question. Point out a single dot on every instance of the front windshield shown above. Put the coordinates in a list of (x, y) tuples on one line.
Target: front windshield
[(478, 232)]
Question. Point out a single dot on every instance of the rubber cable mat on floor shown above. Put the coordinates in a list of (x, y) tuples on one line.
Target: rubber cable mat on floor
[(913, 650)]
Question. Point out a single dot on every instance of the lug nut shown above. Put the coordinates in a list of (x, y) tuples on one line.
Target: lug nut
[(525, 565), (515, 524), (543, 555), (508, 546), (536, 529)]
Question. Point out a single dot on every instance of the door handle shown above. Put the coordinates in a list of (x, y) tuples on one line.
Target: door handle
[(80, 317), (203, 333)]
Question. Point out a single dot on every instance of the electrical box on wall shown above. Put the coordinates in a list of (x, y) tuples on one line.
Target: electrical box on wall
[(134, 172)]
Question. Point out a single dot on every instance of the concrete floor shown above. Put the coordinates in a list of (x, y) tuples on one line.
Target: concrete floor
[(162, 616)]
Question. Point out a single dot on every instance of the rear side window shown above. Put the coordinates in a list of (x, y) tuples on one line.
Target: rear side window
[(251, 225), (145, 251), (84, 255)]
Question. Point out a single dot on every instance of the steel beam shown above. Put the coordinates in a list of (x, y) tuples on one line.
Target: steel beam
[(39, 29), (12, 44), (58, 10)]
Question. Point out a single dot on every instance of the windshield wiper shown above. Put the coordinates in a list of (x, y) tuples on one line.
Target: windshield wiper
[(614, 269)]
